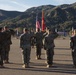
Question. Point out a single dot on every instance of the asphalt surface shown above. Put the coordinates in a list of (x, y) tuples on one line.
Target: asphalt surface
[(63, 64)]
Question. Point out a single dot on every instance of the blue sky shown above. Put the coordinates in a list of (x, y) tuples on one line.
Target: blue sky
[(22, 5)]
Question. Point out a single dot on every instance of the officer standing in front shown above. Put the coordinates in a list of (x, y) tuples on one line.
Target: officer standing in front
[(25, 44), (49, 47)]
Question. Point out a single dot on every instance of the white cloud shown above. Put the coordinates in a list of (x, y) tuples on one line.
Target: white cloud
[(23, 6), (13, 5), (10, 8), (2, 6), (65, 1)]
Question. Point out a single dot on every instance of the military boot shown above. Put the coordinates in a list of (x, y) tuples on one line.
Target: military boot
[(48, 66), (36, 57), (39, 56)]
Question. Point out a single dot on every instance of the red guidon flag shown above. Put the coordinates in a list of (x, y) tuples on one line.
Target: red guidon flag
[(37, 23), (43, 22)]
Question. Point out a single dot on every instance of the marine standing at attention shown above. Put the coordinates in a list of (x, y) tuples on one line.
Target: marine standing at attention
[(25, 44)]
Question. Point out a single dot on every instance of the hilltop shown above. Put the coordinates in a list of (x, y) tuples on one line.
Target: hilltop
[(61, 17)]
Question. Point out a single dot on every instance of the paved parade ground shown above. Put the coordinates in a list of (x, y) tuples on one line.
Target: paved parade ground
[(63, 64)]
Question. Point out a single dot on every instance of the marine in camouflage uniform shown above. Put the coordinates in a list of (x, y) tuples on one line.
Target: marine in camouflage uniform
[(73, 47), (7, 43), (39, 43), (1, 48), (25, 44), (49, 47)]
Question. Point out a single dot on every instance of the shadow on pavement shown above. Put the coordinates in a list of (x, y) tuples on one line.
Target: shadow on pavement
[(58, 68), (62, 48)]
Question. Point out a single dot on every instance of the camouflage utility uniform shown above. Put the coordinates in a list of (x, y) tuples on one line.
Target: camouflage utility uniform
[(39, 43), (73, 47), (7, 43), (25, 44), (49, 47), (1, 47)]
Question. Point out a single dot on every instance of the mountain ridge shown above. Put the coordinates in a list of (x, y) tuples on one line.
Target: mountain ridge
[(61, 17)]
